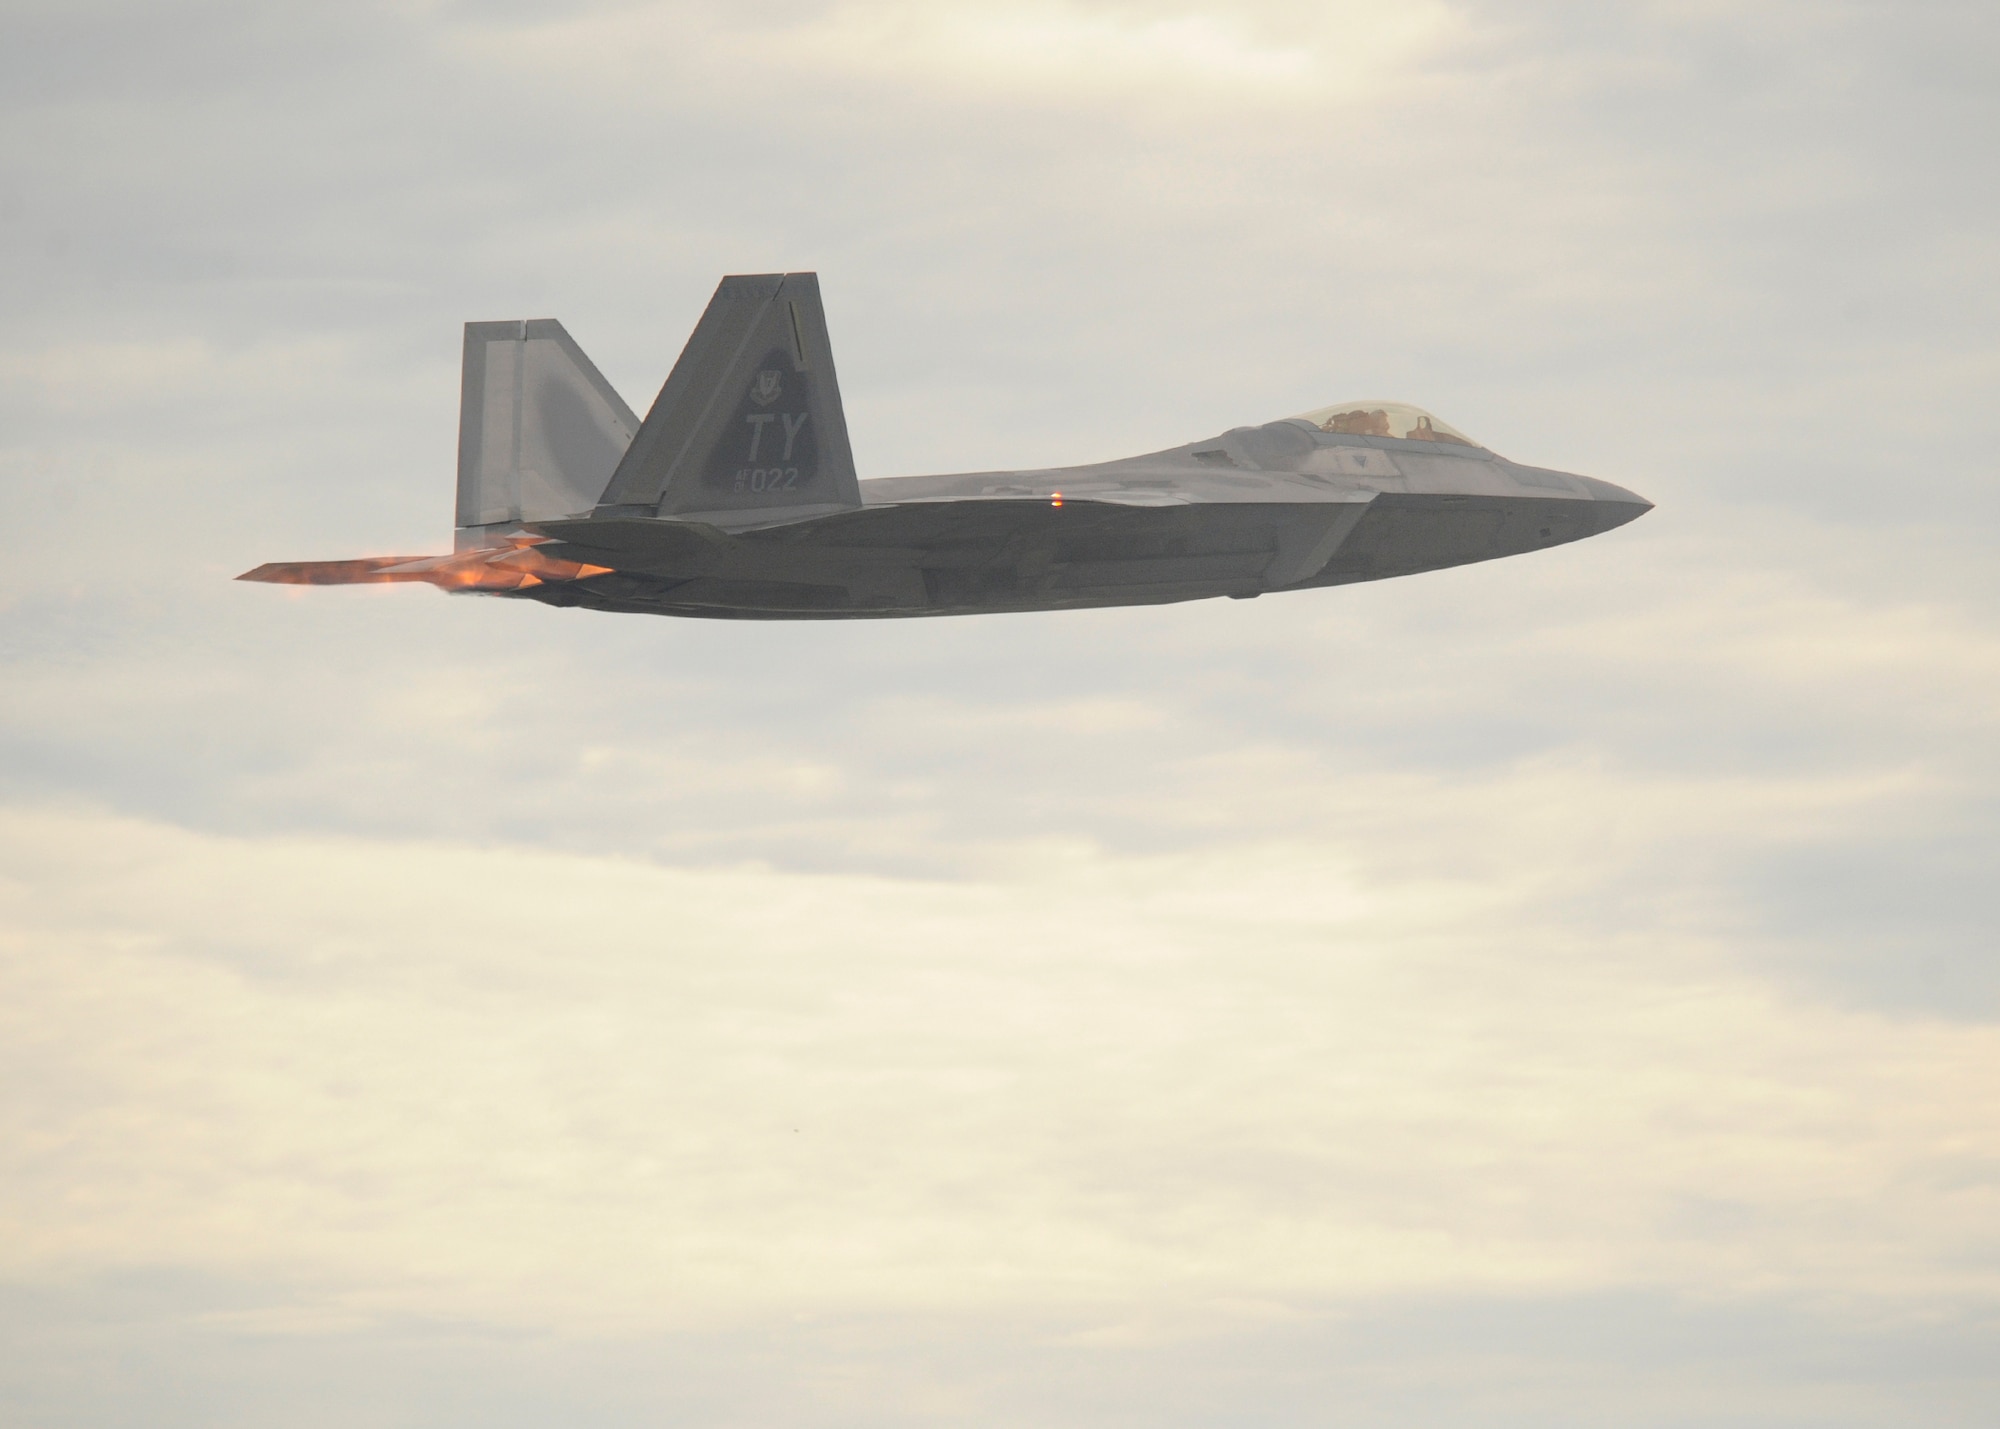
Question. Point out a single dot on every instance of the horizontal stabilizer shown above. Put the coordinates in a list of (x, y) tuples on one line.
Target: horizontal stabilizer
[(749, 423), (514, 566), (362, 571)]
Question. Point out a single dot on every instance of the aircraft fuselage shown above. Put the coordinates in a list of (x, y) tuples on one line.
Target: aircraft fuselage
[(1260, 509)]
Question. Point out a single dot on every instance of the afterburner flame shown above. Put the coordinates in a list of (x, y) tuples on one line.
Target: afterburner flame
[(515, 566)]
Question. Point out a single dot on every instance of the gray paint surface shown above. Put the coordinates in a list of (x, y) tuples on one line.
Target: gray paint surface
[(737, 497), (540, 430)]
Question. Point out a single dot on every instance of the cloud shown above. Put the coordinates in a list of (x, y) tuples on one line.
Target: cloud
[(1467, 997), (549, 1090), (1071, 54), (210, 1357)]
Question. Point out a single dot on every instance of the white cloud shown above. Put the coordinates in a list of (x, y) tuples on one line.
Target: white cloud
[(546, 1089), (1605, 925), (1074, 54)]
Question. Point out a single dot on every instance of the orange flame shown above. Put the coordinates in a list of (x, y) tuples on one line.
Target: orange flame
[(515, 566)]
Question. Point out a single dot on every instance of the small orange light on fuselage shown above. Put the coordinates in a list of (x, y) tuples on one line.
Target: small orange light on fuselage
[(1055, 499)]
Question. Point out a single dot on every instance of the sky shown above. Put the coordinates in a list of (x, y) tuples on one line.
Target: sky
[(1559, 991)]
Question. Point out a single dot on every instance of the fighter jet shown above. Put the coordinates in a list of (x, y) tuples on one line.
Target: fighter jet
[(737, 497)]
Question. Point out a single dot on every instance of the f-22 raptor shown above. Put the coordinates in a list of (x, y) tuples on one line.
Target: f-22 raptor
[(737, 497)]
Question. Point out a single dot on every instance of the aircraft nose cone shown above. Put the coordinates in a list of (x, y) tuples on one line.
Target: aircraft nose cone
[(1614, 504)]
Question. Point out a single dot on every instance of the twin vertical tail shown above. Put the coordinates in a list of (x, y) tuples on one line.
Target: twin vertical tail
[(539, 430), (749, 428), (748, 431)]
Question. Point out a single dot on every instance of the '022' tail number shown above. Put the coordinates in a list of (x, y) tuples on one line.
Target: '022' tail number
[(767, 478)]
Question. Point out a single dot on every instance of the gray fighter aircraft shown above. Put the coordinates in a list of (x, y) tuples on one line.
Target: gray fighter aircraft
[(737, 496)]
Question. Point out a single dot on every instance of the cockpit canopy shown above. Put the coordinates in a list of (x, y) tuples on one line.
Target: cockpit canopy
[(1385, 419)]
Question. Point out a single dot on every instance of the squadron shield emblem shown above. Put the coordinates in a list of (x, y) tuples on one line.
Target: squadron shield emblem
[(766, 389)]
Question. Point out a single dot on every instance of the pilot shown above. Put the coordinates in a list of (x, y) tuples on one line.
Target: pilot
[(1423, 431), (1358, 423)]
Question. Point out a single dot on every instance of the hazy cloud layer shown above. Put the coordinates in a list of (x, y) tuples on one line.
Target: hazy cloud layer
[(1454, 1000), (1171, 1102)]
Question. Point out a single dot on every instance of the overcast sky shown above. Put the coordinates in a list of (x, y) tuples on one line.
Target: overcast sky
[(1563, 991)]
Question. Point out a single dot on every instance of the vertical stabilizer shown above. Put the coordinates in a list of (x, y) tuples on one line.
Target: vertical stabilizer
[(539, 433), (749, 425)]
